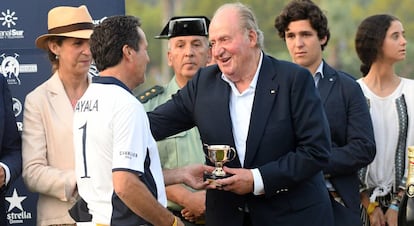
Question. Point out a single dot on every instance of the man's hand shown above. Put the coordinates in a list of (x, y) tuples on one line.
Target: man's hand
[(195, 208), (193, 175), (240, 183)]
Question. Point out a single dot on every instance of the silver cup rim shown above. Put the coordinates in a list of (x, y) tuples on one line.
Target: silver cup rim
[(218, 146)]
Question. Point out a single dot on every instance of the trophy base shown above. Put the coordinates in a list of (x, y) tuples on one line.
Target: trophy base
[(212, 177)]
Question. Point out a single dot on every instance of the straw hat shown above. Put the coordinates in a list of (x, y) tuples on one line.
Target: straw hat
[(67, 21)]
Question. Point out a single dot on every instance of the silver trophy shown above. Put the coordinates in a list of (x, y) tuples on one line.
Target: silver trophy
[(219, 154)]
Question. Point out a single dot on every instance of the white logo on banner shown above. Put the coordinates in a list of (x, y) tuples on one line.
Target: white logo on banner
[(8, 19), (11, 68), (16, 202), (17, 106), (17, 109)]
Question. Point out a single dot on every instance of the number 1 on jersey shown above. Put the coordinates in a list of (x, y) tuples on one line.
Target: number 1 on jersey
[(83, 128)]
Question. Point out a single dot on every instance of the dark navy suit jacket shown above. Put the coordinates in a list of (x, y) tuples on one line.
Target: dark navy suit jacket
[(10, 152), (288, 141), (352, 137)]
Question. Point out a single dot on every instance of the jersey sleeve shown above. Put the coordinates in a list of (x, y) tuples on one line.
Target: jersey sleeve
[(132, 138)]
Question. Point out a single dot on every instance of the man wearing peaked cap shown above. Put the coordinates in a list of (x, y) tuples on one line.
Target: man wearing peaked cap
[(188, 50)]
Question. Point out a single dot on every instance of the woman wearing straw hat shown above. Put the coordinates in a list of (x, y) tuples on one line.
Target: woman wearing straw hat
[(48, 153)]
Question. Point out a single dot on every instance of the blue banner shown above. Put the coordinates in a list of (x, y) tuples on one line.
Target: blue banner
[(25, 67)]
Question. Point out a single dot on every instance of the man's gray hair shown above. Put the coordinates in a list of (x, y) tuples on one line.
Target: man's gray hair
[(248, 20)]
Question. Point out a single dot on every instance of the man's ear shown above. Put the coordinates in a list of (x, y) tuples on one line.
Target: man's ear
[(169, 58), (253, 37), (323, 40), (126, 51), (209, 55)]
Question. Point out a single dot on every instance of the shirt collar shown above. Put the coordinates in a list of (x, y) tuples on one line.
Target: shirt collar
[(253, 83), (320, 69), (110, 80)]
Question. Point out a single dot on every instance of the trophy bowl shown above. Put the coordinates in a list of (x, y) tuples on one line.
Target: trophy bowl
[(219, 154)]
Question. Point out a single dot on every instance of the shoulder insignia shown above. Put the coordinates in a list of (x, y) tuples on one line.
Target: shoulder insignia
[(150, 93)]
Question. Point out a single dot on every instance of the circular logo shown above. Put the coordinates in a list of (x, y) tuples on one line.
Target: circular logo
[(17, 107), (10, 67)]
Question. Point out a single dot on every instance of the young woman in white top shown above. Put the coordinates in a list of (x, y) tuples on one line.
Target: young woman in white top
[(380, 44)]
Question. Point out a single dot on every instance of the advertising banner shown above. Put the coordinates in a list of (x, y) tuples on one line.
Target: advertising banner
[(25, 67)]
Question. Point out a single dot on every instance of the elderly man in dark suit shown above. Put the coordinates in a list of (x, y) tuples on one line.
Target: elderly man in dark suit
[(10, 151), (271, 113), (304, 28)]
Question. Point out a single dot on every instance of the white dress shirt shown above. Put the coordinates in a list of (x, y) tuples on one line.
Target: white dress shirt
[(240, 111)]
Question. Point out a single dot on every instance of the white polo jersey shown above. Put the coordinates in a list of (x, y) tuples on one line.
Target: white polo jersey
[(111, 132)]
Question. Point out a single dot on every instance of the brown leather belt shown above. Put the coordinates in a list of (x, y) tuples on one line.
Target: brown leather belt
[(335, 194)]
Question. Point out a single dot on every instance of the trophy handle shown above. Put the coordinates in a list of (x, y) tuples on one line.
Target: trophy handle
[(205, 147), (233, 154)]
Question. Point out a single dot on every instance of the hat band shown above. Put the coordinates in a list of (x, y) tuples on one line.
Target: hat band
[(71, 27)]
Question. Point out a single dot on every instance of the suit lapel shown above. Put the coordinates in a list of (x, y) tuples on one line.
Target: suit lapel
[(59, 101), (265, 95), (326, 83)]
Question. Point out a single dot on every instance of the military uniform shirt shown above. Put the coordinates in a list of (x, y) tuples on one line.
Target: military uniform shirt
[(181, 149)]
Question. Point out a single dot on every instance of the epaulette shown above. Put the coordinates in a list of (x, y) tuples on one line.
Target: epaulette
[(150, 93)]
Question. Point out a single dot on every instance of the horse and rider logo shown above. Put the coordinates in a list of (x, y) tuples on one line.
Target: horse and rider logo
[(10, 67)]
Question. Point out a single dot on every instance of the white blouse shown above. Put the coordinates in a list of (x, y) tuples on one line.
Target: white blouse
[(384, 116)]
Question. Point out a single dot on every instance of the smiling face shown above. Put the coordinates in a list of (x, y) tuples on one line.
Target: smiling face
[(394, 45), (186, 54), (233, 48), (304, 45)]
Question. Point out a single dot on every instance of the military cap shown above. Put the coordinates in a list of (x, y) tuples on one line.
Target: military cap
[(185, 26)]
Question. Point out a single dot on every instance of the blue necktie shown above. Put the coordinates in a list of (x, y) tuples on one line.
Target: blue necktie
[(317, 77)]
